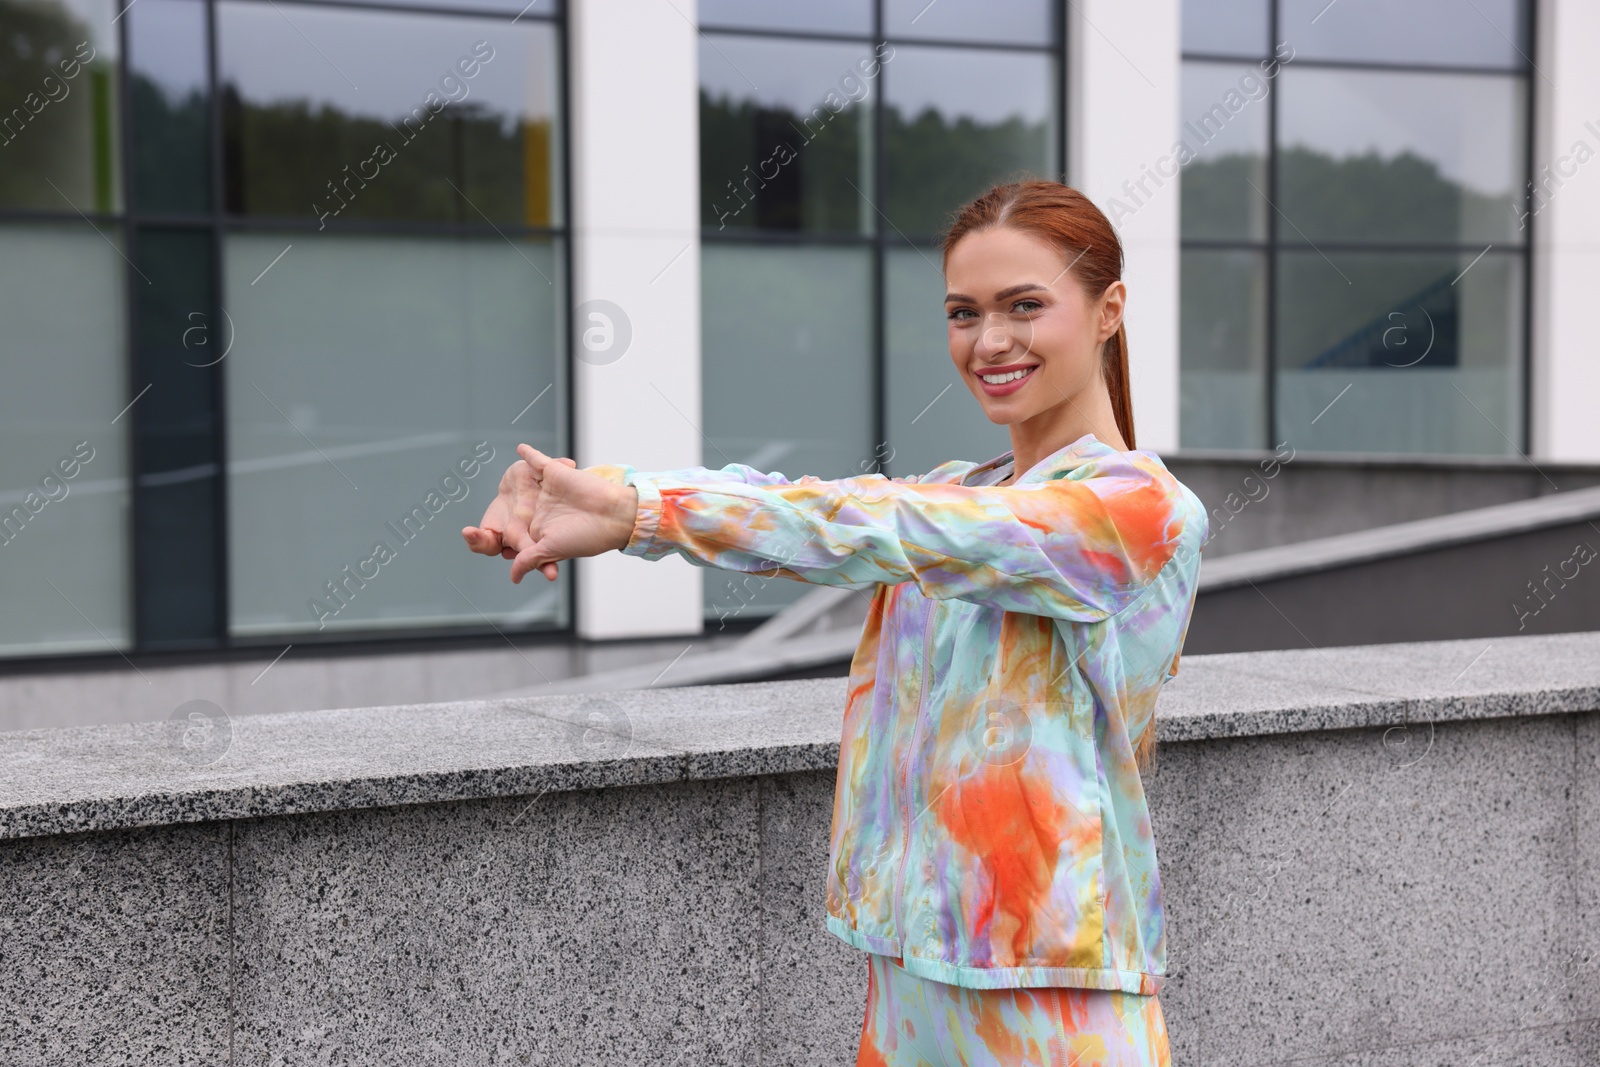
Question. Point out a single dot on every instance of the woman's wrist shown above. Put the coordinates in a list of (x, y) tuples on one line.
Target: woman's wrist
[(624, 514)]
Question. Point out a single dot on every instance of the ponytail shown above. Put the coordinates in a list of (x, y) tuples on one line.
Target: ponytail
[(1115, 367)]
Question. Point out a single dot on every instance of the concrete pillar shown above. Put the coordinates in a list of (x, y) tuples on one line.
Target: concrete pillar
[(1123, 83), (1566, 232), (636, 232)]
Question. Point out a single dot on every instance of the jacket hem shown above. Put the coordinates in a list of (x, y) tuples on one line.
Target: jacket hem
[(1140, 982)]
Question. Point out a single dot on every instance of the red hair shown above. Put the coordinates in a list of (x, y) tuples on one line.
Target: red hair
[(1070, 221)]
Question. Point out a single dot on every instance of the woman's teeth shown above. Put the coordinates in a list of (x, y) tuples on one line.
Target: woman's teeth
[(1001, 379)]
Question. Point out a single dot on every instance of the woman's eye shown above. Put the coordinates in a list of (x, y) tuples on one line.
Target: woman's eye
[(1027, 307), (960, 314)]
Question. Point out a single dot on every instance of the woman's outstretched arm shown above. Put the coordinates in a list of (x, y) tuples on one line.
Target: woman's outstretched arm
[(1080, 547)]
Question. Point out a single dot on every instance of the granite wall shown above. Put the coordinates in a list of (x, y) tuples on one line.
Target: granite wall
[(1364, 860)]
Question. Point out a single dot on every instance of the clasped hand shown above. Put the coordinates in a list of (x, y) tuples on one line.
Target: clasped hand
[(547, 510)]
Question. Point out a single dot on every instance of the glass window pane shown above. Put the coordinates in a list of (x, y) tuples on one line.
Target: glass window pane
[(1223, 338), (63, 460), (787, 377), (367, 370), (816, 16), (1454, 32), (933, 415), (795, 154), (957, 122), (1225, 125), (59, 106), (1227, 27), (523, 9), (1432, 356), (1391, 156), (1004, 21), (334, 114), (167, 58)]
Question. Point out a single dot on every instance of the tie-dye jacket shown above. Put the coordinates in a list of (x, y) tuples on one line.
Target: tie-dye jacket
[(989, 823)]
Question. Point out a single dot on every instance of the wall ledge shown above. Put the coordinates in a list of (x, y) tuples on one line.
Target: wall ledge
[(141, 774)]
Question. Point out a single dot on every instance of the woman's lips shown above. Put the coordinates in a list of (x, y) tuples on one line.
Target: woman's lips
[(1006, 388)]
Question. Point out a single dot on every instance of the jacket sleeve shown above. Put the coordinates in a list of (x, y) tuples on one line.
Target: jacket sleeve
[(1082, 546), (733, 472)]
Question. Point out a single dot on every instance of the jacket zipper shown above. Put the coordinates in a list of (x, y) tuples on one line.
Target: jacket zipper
[(905, 767)]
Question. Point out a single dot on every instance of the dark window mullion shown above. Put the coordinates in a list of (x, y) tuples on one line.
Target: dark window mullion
[(131, 539), (222, 597), (1270, 389), (788, 35), (1356, 64), (1529, 92), (175, 473)]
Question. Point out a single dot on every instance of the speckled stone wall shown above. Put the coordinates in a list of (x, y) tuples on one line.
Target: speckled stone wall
[(1385, 856), (1346, 897)]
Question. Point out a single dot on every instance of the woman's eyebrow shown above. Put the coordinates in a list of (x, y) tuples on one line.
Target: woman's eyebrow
[(1025, 287)]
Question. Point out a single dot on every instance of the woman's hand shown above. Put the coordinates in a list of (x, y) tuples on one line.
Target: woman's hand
[(548, 511), (503, 530)]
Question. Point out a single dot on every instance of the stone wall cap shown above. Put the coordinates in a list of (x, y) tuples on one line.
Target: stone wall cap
[(204, 765)]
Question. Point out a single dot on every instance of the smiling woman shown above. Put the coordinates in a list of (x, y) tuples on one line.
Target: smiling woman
[(991, 848), (1035, 308)]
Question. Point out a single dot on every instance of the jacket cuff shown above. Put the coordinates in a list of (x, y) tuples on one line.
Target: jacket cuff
[(647, 520)]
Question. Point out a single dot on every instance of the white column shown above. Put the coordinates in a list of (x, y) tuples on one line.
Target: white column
[(1123, 83), (636, 231), (1566, 232)]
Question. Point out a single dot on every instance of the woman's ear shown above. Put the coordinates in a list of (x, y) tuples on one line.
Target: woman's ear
[(1111, 305)]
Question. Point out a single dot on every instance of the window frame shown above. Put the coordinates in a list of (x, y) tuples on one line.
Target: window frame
[(1270, 246), (219, 644)]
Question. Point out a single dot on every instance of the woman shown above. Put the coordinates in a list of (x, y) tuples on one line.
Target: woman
[(991, 845)]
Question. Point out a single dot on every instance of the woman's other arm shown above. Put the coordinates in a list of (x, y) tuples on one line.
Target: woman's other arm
[(1073, 548)]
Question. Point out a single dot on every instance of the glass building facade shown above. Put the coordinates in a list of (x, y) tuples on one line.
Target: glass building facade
[(283, 282), (1354, 245), (284, 285)]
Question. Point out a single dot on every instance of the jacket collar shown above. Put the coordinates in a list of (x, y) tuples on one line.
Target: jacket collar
[(1086, 445)]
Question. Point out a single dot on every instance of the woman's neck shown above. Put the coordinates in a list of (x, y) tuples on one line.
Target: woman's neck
[(1056, 428)]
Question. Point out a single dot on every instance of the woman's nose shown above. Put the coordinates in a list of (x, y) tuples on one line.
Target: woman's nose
[(996, 338)]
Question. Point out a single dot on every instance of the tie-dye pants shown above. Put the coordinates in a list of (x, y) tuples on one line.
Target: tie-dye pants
[(917, 1022)]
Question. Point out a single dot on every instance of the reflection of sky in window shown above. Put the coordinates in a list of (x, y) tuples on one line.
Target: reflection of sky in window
[(1228, 27), (167, 44), (1468, 124), (1461, 32), (534, 9), (393, 60), (821, 16), (1008, 21), (792, 74), (1204, 87), (984, 85)]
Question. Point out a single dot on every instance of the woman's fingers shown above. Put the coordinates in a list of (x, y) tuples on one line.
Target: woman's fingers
[(533, 558), (485, 542), (506, 528)]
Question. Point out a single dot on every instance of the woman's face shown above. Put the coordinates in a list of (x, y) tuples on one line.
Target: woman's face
[(1013, 306)]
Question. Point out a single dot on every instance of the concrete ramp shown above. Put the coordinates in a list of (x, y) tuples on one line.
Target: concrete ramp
[(1530, 567)]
